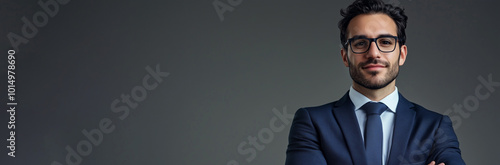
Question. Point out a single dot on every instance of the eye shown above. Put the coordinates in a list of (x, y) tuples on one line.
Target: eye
[(360, 43), (386, 42)]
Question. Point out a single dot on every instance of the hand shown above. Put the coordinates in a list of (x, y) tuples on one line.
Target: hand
[(434, 163)]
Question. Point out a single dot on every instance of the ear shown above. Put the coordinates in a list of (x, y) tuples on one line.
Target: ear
[(402, 55), (343, 53)]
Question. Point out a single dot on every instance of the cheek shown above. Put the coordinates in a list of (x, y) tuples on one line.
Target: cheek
[(354, 60), (394, 60)]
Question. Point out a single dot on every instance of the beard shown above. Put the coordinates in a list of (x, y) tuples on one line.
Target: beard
[(359, 78)]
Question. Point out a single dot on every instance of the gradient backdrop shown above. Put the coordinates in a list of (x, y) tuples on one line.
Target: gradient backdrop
[(226, 74)]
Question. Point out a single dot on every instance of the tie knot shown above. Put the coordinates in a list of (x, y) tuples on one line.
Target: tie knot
[(374, 108)]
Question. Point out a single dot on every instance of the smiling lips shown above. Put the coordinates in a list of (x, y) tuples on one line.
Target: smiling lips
[(373, 66)]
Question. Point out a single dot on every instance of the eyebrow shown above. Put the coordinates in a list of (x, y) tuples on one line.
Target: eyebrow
[(364, 36)]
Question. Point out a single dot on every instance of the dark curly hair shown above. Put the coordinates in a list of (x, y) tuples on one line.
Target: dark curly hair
[(370, 7)]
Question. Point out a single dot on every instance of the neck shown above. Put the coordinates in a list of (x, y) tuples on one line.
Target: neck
[(375, 94)]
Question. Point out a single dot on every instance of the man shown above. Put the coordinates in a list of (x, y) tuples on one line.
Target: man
[(372, 124)]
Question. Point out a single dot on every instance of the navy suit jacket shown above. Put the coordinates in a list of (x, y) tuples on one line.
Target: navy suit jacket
[(330, 135)]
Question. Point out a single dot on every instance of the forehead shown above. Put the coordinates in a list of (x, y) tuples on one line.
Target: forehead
[(371, 25)]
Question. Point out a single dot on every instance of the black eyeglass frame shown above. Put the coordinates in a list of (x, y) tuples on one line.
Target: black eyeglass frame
[(370, 41)]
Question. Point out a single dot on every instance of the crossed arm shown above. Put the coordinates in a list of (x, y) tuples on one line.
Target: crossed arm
[(304, 146)]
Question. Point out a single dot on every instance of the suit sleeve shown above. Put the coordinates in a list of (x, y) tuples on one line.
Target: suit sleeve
[(303, 142), (446, 148)]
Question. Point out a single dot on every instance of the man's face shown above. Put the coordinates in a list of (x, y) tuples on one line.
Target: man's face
[(373, 69)]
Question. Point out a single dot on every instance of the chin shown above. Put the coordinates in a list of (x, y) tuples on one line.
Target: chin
[(375, 75)]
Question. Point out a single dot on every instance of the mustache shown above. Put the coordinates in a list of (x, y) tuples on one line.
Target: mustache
[(374, 61)]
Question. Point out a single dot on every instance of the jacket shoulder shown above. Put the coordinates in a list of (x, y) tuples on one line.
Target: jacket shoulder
[(318, 110), (422, 112)]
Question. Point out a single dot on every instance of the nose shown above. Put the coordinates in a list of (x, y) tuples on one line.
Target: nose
[(373, 51)]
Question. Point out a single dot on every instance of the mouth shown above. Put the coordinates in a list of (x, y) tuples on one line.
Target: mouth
[(373, 67)]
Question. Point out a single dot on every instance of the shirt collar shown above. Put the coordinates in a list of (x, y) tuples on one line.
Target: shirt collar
[(358, 99)]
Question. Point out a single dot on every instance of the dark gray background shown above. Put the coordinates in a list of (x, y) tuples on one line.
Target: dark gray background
[(225, 76)]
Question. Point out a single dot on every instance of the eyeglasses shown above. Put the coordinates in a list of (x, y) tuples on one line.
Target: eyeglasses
[(385, 44)]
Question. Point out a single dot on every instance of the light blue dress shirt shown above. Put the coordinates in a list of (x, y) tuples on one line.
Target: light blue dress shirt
[(391, 101)]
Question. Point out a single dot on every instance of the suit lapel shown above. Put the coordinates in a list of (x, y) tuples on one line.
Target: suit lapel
[(346, 118), (403, 126)]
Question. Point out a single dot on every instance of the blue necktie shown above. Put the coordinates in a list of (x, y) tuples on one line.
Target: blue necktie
[(373, 132)]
